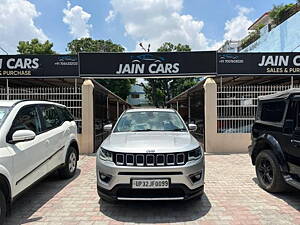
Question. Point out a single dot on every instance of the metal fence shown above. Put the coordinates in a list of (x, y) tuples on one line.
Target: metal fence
[(236, 106), (68, 96)]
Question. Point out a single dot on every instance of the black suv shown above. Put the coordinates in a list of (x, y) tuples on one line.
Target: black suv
[(275, 148)]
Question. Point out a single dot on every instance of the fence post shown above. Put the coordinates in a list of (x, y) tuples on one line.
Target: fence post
[(7, 90), (210, 114), (87, 137)]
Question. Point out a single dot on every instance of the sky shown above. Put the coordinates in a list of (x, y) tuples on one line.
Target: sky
[(202, 24)]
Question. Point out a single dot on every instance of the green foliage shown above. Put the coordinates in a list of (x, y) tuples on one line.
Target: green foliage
[(120, 87), (90, 45), (35, 47), (169, 47), (159, 91), (252, 37), (280, 13)]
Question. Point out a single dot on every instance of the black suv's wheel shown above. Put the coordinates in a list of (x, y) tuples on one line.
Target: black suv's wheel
[(268, 172), (70, 166), (2, 208)]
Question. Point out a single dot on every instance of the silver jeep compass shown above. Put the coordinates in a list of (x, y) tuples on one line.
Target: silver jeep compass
[(150, 155)]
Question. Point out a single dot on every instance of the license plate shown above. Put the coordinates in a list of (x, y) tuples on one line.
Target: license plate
[(150, 183)]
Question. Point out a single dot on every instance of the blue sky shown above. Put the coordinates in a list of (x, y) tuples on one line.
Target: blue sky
[(198, 23)]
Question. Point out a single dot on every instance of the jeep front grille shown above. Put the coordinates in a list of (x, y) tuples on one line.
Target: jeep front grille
[(150, 160)]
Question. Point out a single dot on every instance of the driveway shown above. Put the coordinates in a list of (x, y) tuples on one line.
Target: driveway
[(232, 197)]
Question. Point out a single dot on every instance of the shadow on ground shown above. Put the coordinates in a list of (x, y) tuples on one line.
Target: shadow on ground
[(35, 197), (156, 211), (291, 197)]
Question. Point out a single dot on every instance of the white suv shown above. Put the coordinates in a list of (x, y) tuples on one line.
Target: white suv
[(36, 138), (150, 155)]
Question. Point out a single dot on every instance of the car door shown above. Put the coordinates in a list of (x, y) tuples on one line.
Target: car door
[(29, 159), (54, 130), (292, 142)]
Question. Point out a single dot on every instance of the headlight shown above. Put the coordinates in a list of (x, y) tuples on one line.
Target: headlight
[(105, 155), (195, 154)]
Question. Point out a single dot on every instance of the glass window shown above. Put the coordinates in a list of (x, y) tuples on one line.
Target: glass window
[(272, 111), (50, 116), (3, 113), (27, 119), (149, 121), (135, 95), (65, 114)]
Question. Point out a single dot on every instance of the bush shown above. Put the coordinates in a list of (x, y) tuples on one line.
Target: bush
[(281, 13), (252, 37)]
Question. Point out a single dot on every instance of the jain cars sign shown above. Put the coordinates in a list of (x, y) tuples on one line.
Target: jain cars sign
[(41, 66), (258, 64), (156, 64)]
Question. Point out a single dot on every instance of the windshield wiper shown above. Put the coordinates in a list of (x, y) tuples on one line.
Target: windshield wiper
[(177, 129), (144, 130)]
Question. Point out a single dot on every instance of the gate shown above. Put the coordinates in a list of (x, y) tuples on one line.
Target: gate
[(236, 106), (68, 96)]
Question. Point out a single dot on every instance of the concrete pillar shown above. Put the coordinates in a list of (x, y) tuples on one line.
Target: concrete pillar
[(87, 137), (210, 114)]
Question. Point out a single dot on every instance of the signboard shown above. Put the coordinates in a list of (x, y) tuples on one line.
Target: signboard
[(252, 64), (152, 64), (38, 66)]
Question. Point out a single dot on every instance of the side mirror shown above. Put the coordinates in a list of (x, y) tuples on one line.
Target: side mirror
[(23, 135), (192, 127), (108, 127), (288, 126)]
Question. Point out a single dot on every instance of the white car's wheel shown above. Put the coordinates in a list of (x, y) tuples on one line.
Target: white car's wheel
[(70, 166), (3, 208)]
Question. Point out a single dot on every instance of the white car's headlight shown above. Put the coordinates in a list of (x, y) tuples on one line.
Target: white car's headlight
[(195, 154), (105, 155)]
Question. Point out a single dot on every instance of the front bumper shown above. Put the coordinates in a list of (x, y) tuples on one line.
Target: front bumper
[(181, 185)]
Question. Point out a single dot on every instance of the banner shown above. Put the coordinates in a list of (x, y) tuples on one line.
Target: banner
[(154, 64), (38, 66), (252, 64)]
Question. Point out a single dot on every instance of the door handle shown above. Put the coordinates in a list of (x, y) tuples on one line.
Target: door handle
[(47, 142), (295, 142)]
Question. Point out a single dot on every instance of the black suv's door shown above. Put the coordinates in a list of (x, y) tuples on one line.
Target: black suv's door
[(292, 142)]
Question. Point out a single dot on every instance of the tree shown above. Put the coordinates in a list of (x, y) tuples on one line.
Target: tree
[(120, 87), (159, 91), (90, 45), (35, 47)]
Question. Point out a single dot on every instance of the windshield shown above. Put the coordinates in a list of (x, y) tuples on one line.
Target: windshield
[(149, 121), (3, 113)]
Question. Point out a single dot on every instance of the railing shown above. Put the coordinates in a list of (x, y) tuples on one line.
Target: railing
[(68, 96), (236, 106)]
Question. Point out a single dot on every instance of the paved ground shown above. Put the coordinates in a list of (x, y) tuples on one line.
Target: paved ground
[(232, 197)]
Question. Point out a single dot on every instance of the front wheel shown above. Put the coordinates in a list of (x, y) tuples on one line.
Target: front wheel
[(3, 208), (268, 172), (69, 169)]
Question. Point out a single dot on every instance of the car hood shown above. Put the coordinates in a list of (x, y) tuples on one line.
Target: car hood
[(141, 142)]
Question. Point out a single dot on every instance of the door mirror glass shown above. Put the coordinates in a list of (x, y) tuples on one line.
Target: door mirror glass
[(108, 127), (23, 135), (192, 127)]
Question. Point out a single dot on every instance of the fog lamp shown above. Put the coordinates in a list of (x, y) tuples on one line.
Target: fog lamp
[(196, 177), (105, 178)]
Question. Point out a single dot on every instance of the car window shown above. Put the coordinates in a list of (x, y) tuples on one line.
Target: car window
[(149, 121), (27, 119), (3, 112), (272, 111), (65, 114), (50, 117)]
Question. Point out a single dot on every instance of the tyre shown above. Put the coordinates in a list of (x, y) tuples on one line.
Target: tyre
[(69, 169), (268, 172), (3, 208)]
